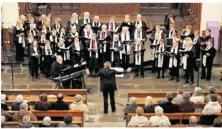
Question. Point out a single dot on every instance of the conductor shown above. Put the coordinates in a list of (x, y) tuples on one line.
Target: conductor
[(57, 67), (107, 84)]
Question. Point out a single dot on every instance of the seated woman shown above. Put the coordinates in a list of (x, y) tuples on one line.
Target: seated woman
[(43, 104), (79, 105), (198, 96), (46, 122), (25, 122), (149, 106), (208, 117), (138, 120), (159, 119)]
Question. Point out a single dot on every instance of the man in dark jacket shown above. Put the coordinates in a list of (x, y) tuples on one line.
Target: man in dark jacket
[(43, 105), (59, 104), (168, 106), (186, 105), (108, 84), (16, 105)]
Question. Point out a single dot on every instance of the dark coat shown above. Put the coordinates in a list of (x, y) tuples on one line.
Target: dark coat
[(169, 107), (60, 105), (56, 69), (107, 79), (149, 109), (4, 107), (209, 62), (186, 106), (43, 106), (15, 106), (131, 108), (207, 119)]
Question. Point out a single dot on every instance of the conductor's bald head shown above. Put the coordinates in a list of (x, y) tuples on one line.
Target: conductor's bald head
[(59, 59)]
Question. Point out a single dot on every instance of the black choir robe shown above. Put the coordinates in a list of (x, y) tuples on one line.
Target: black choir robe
[(47, 59), (70, 37), (196, 45), (34, 32), (111, 27), (94, 57), (19, 43), (60, 51), (144, 26), (53, 40), (129, 24), (143, 35), (167, 21), (70, 25), (183, 36), (58, 28), (116, 56), (96, 26), (34, 62), (82, 24), (139, 66), (169, 36), (39, 25), (76, 55), (164, 63), (209, 60), (205, 39)]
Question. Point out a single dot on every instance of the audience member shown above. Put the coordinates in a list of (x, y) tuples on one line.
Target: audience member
[(68, 122), (18, 116), (217, 122), (138, 120), (131, 107), (159, 119), (149, 106), (3, 105), (25, 122), (5, 114), (3, 122), (212, 90), (193, 122), (168, 106), (43, 104), (197, 96), (186, 105), (213, 104), (46, 122), (16, 105), (60, 104), (79, 105), (179, 98), (208, 117)]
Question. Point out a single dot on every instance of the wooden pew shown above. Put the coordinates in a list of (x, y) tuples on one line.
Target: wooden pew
[(37, 123), (57, 113), (171, 116)]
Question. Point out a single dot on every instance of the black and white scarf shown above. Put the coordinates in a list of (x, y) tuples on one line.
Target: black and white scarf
[(126, 47), (173, 60), (112, 54), (138, 57), (205, 56), (21, 38)]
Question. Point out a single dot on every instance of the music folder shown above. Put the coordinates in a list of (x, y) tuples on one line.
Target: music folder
[(126, 41)]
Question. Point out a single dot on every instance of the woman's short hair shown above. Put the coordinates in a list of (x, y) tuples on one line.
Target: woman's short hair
[(158, 111), (139, 111), (19, 98), (198, 91), (78, 98), (24, 106), (26, 119), (133, 100), (148, 101), (107, 64), (47, 120)]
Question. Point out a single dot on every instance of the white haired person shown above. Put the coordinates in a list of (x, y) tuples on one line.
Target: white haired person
[(3, 122), (159, 119), (108, 84), (16, 105), (47, 122), (138, 120), (139, 21), (208, 116), (104, 37), (25, 122), (138, 50), (198, 96), (125, 38), (96, 24), (212, 91), (116, 53), (18, 116), (86, 18), (19, 40), (131, 107), (149, 106), (213, 104), (78, 104)]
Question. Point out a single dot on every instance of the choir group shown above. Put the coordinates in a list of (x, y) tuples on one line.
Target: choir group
[(96, 42)]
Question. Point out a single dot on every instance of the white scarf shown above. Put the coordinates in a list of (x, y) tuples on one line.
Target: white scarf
[(77, 46), (90, 34), (160, 56), (205, 56), (30, 40), (171, 34), (46, 52), (51, 38), (99, 24), (57, 28), (34, 34), (76, 34), (195, 40), (126, 47), (44, 31), (120, 53), (114, 26), (90, 46), (35, 50), (184, 59), (135, 35), (140, 23), (63, 47), (104, 48), (62, 34), (74, 25), (155, 42), (21, 38), (138, 55), (173, 59)]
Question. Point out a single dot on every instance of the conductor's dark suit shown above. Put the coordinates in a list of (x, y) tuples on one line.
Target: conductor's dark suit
[(107, 86)]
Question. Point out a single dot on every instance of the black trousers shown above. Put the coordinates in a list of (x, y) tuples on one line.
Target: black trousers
[(76, 59), (34, 67), (106, 56), (139, 69), (189, 75), (159, 70), (204, 74), (125, 61), (174, 72), (112, 100), (93, 64), (154, 65), (47, 69), (19, 57), (116, 60)]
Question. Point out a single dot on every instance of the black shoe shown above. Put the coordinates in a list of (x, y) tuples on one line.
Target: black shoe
[(163, 77), (191, 83), (177, 80), (203, 77), (114, 110), (105, 112), (171, 79), (207, 79), (158, 77), (136, 75), (221, 79), (142, 76)]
